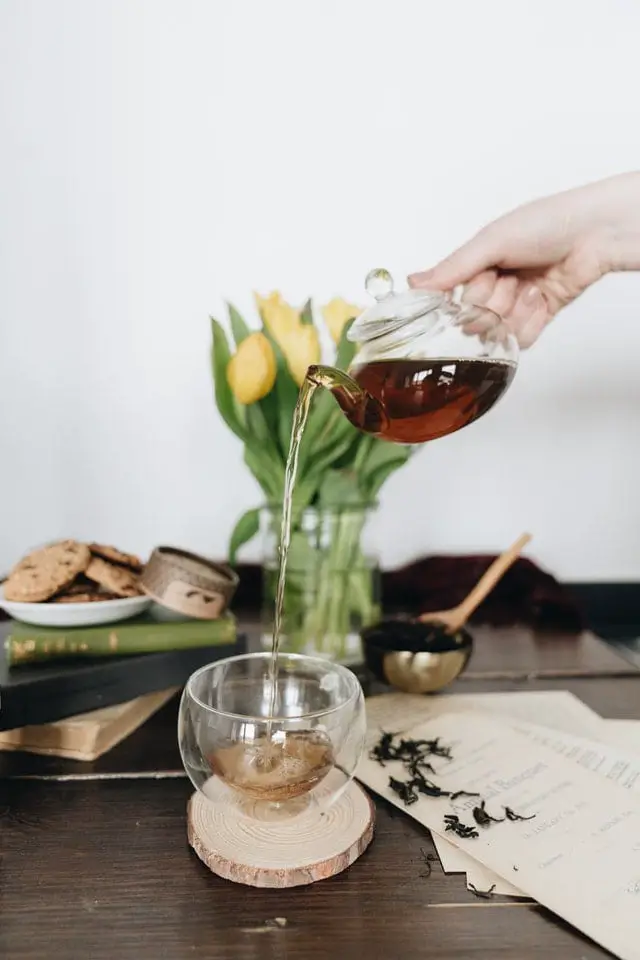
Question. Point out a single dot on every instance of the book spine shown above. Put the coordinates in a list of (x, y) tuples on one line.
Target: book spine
[(28, 648)]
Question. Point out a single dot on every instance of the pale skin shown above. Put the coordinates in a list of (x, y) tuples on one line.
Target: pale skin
[(530, 263)]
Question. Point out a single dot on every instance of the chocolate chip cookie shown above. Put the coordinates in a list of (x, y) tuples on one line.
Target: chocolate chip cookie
[(113, 555), (118, 580), (45, 572)]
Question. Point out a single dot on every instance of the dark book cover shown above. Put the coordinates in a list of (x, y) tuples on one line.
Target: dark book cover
[(49, 690)]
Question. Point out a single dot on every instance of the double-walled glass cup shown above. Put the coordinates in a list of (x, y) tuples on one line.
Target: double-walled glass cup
[(305, 754)]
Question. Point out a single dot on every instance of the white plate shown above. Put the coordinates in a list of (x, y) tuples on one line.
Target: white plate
[(74, 614)]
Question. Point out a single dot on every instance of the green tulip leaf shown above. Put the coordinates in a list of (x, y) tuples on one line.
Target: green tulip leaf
[(381, 460), (261, 433), (347, 461), (306, 314), (230, 410), (270, 409), (322, 418), (315, 466), (377, 452), (330, 443), (338, 488), (304, 494), (239, 328), (377, 479), (267, 471), (286, 395), (244, 530), (346, 348)]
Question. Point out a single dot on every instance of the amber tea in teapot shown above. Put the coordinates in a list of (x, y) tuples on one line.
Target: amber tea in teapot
[(413, 401)]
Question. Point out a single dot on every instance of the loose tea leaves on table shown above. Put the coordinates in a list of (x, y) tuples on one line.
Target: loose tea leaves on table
[(455, 825), (463, 793), (511, 815), (412, 754), (432, 746), (427, 787), (482, 818), (417, 766), (383, 750), (404, 790)]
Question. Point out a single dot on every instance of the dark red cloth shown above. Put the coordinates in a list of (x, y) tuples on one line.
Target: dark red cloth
[(526, 594)]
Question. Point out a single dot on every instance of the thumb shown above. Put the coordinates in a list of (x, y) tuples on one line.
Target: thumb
[(466, 262)]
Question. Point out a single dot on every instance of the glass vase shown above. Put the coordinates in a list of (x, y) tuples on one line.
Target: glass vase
[(332, 586)]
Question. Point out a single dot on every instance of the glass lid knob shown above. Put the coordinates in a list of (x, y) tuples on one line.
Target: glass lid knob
[(379, 283)]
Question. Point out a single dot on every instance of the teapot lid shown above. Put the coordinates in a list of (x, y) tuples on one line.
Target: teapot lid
[(392, 309), (401, 324)]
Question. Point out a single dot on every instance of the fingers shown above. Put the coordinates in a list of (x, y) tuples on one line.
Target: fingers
[(481, 288), (520, 303), (528, 331), (467, 262), (479, 292), (529, 315), (504, 296), (490, 289)]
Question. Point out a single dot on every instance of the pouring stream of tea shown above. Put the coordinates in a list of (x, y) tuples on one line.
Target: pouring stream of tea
[(300, 415)]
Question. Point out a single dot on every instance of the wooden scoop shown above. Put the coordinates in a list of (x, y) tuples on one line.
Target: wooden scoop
[(456, 617)]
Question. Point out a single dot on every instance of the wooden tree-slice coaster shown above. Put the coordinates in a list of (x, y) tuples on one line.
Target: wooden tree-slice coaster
[(260, 848)]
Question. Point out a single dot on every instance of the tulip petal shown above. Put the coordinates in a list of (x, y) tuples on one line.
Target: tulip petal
[(337, 313), (279, 317), (301, 349), (251, 372)]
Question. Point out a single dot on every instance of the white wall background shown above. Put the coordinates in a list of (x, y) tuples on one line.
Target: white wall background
[(159, 156)]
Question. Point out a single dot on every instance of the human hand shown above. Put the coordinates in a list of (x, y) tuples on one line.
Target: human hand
[(536, 259)]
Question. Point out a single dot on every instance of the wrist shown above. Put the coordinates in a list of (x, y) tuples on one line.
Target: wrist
[(611, 220)]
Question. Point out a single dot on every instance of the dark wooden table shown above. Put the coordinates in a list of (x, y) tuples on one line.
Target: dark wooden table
[(94, 861)]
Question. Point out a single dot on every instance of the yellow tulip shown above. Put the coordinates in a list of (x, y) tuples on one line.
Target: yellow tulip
[(337, 314), (301, 348), (251, 372), (279, 317), (298, 341)]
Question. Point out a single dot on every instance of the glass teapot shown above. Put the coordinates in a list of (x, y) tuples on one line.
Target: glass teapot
[(426, 364)]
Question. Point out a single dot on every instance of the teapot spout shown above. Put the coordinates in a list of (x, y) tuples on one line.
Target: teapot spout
[(361, 409)]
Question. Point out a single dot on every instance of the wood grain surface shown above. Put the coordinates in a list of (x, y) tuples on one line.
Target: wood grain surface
[(98, 867), (102, 870)]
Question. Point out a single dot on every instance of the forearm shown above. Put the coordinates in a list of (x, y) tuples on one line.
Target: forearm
[(609, 212)]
